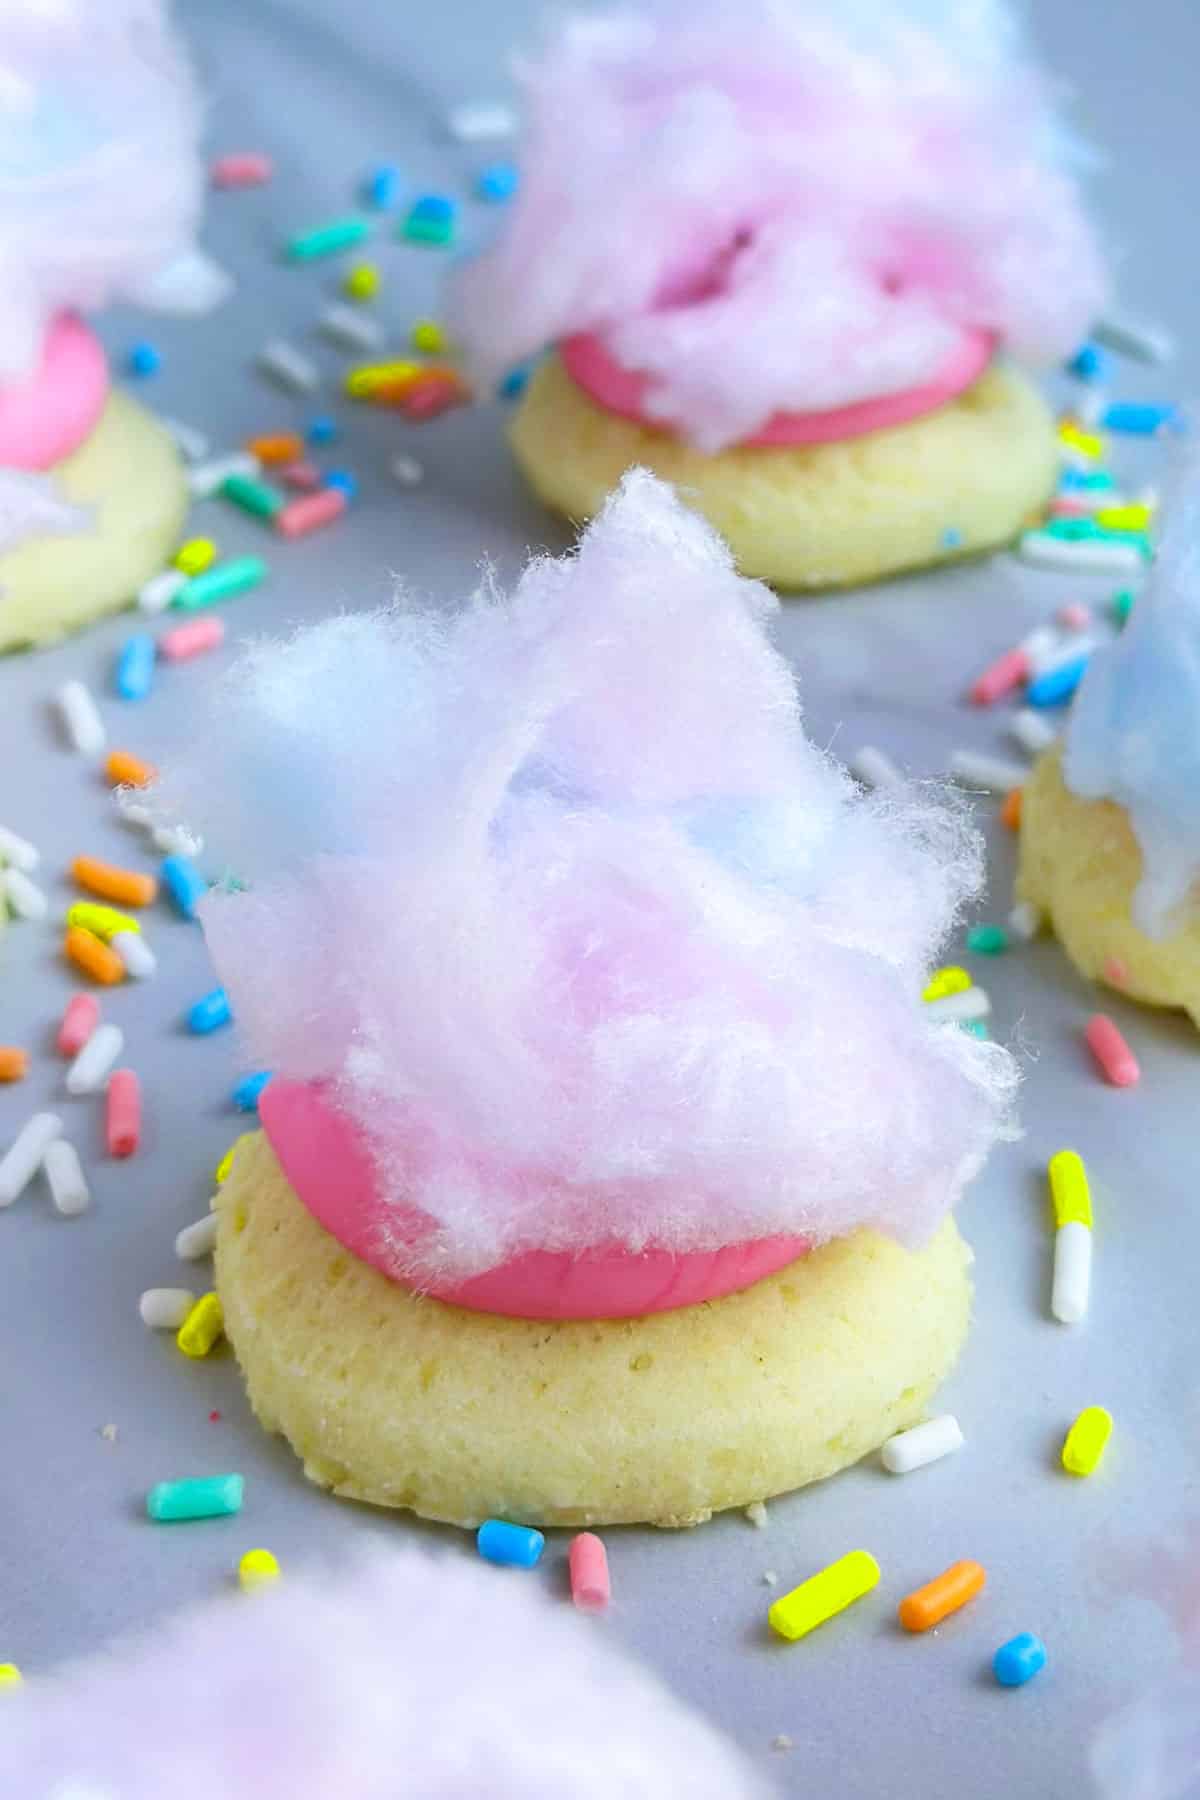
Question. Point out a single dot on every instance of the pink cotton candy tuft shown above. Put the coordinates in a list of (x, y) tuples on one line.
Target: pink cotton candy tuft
[(403, 1678), (785, 205), (594, 944)]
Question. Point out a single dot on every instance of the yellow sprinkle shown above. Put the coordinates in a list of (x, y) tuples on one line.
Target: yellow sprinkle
[(258, 1568), (202, 1327), (364, 381), (10, 1675), (102, 921), (226, 1162), (1086, 1441), (1069, 1191), (362, 282), (1086, 442), (428, 335), (821, 1596), (195, 556), (952, 980), (1125, 518)]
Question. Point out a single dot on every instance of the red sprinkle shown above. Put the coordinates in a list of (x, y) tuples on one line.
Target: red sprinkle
[(300, 517), (240, 169), (78, 1023), (1001, 677), (123, 1117), (214, 1418), (1116, 1060)]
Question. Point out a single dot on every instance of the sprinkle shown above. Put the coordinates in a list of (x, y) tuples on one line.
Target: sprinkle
[(367, 380), (987, 940), (430, 220), (990, 772), (303, 477), (1072, 1280), (874, 769), (206, 479), (1019, 1660), (1089, 363), (10, 1675), (1074, 616), (1122, 605), (25, 898), (137, 959), (922, 1445), (17, 852), (1144, 343), (191, 444), (240, 169), (1070, 1192), (299, 517), (202, 1497), (975, 1003), (1010, 810), (481, 119), (428, 337), (756, 1513), (25, 1154), (591, 1585), (209, 1013), (824, 1595), (14, 1063), (927, 1606), (326, 240), (1086, 1441), (345, 480), (134, 674), (80, 1019), (248, 1089), (65, 1179), (381, 186), (1141, 420), (89, 1071), (288, 366), (93, 956), (198, 1239), (102, 921), (950, 980), (278, 447), (253, 496), (407, 471), (176, 840), (123, 1113), (165, 1309), (432, 395), (1000, 677), (362, 282), (1058, 684), (204, 1324), (1024, 922), (221, 582), (144, 359), (498, 182), (356, 330), (1087, 443), (81, 718), (1031, 731), (258, 1568), (322, 430), (1133, 516), (513, 1546), (123, 769), (185, 641), (1101, 555), (221, 1174), (155, 595), (126, 886), (1114, 1058)]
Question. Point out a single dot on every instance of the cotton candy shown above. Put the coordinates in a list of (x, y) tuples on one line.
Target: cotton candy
[(1134, 732), (31, 505), (404, 1678), (787, 205), (594, 945)]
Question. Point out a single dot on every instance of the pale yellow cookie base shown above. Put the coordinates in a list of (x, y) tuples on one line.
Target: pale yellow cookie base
[(1080, 864), (129, 471), (817, 516), (460, 1416)]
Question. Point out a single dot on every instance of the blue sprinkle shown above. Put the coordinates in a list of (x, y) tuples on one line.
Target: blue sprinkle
[(430, 220), (514, 383), (1089, 363), (144, 359), (515, 1546), (210, 1013), (1057, 684), (322, 431), (499, 181), (248, 1089), (184, 882), (342, 478), (136, 659), (952, 538), (1140, 420), (1019, 1660), (381, 185)]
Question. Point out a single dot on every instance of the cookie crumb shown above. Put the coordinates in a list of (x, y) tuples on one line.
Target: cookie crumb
[(109, 1433), (782, 1742), (769, 1577), (756, 1512)]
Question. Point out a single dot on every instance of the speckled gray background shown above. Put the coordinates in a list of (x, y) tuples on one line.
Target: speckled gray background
[(327, 90)]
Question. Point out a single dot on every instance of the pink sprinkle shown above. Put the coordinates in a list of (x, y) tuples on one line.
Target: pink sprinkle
[(214, 1418), (192, 639), (78, 1023), (1116, 972), (1001, 677), (244, 168), (302, 476), (1117, 1062), (302, 516), (1063, 508), (591, 1588), (123, 1115), (1075, 616)]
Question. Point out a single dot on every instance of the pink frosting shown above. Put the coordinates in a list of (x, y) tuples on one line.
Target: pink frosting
[(321, 1153), (44, 418), (591, 366)]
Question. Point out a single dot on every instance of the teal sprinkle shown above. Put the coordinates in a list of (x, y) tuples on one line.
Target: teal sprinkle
[(203, 1497), (1122, 605), (977, 1028), (987, 940)]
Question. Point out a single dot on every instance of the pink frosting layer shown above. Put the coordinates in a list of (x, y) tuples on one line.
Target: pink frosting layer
[(592, 367), (43, 419), (323, 1159)]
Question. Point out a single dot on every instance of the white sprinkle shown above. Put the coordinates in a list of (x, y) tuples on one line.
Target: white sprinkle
[(975, 769), (155, 595), (874, 769), (1039, 642), (1088, 553), (197, 1240), (924, 1444), (165, 1309), (1145, 343), (192, 443), (81, 718), (24, 1156), (407, 471), (288, 366), (1066, 651), (176, 840), (17, 852), (1024, 921), (972, 1003), (357, 330), (24, 897), (88, 1073), (135, 953), (756, 1512), (1072, 1272), (481, 119), (1089, 405), (64, 1174), (206, 478), (135, 812), (1032, 731)]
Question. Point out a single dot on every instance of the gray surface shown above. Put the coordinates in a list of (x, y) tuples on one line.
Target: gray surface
[(871, 1713)]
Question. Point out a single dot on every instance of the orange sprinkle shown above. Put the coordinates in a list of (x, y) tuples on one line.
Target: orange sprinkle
[(930, 1604), (14, 1063), (124, 769), (281, 447), (125, 886), (93, 956), (1010, 812)]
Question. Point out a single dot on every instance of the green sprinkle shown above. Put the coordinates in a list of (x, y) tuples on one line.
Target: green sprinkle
[(987, 940), (1122, 605), (219, 582), (203, 1497), (252, 496), (976, 1027), (326, 240)]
